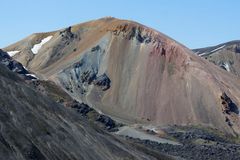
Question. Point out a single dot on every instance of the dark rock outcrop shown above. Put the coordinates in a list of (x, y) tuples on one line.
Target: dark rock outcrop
[(103, 81), (103, 121), (107, 121), (3, 55), (67, 33), (228, 105), (86, 72), (81, 108), (97, 48), (134, 32), (237, 49), (88, 76), (14, 66)]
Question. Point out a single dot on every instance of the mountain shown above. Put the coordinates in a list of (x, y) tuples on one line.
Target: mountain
[(34, 127), (225, 55), (134, 74)]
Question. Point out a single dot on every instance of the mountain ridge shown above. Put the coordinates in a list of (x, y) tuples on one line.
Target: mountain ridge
[(224, 55)]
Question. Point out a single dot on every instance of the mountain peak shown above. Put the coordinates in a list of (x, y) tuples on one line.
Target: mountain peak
[(133, 73)]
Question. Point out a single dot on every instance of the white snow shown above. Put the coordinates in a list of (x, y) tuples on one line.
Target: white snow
[(197, 52), (202, 54), (12, 53), (226, 65), (211, 51), (25, 68), (38, 46), (217, 49), (33, 75)]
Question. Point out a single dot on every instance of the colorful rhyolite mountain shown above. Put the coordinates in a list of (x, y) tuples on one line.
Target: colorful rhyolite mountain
[(134, 73)]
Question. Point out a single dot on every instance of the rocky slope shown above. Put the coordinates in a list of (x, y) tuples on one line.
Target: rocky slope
[(31, 130), (225, 55), (134, 74), (33, 126), (15, 66)]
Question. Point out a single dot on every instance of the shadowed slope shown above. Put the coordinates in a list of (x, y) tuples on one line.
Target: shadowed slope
[(35, 127)]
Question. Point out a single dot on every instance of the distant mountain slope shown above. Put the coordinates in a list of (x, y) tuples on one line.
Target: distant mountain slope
[(225, 55), (134, 73), (34, 127)]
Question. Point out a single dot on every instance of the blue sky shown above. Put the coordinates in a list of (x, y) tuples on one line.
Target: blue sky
[(194, 23)]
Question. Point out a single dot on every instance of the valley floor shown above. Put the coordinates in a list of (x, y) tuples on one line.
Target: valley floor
[(197, 144)]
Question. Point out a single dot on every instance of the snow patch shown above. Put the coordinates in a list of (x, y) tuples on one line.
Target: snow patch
[(217, 49), (226, 65), (202, 54), (12, 53), (32, 75), (25, 68), (38, 46), (196, 52)]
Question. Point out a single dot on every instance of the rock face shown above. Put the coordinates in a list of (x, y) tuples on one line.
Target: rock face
[(133, 73), (226, 56), (35, 127), (14, 66), (229, 106)]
